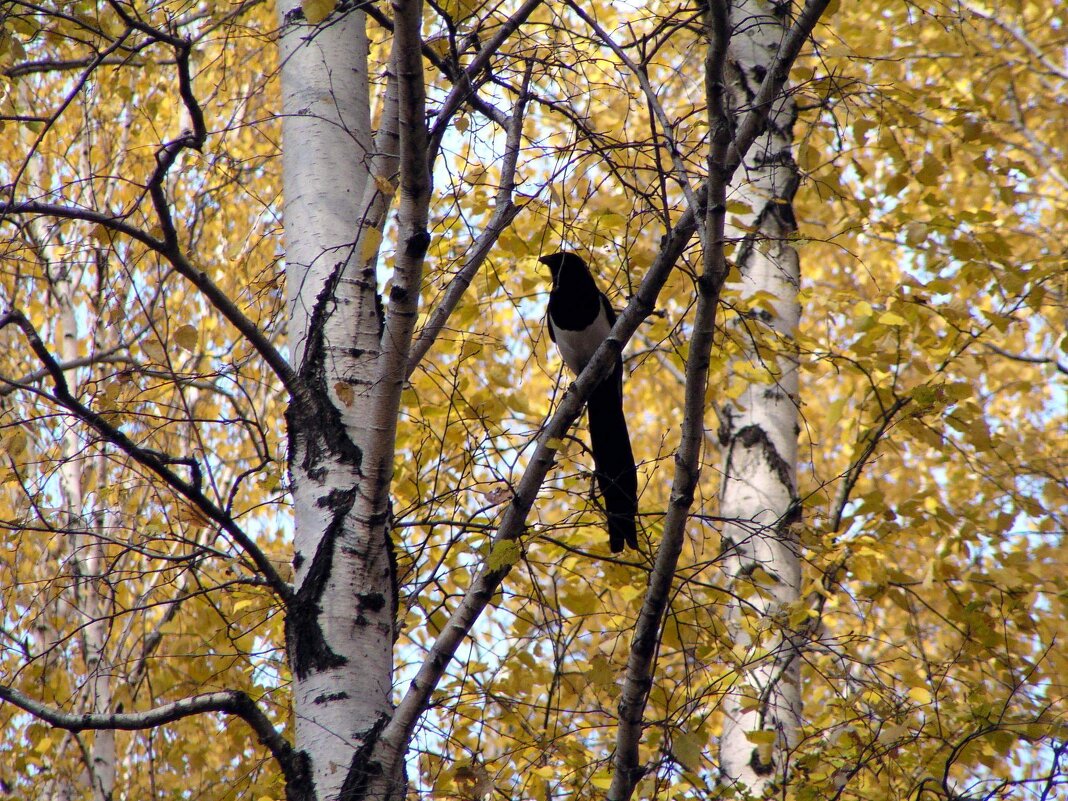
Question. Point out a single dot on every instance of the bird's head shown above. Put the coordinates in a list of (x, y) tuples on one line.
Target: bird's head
[(564, 262)]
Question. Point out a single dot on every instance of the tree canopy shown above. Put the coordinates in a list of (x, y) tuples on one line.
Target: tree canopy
[(146, 366)]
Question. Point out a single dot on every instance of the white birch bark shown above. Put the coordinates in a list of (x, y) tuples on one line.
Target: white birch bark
[(340, 620), (759, 429), (87, 555), (91, 563)]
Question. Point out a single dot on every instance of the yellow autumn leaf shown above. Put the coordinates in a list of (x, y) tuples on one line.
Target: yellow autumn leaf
[(890, 318), (384, 185), (186, 337), (372, 238), (504, 554), (345, 393), (921, 695), (687, 748), (602, 780), (154, 350), (315, 11), (760, 737)]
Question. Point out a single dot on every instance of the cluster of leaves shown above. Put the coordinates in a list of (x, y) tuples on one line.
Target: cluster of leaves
[(932, 220), (87, 101), (934, 285), (932, 230)]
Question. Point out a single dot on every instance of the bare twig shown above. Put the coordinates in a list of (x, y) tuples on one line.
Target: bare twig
[(504, 212), (230, 702), (156, 462)]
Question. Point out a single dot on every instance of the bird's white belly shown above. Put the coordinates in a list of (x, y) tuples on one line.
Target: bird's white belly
[(578, 347)]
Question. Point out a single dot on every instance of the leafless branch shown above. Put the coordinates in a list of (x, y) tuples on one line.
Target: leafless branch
[(852, 475), (504, 212), (153, 460), (512, 527), (1023, 357), (230, 702)]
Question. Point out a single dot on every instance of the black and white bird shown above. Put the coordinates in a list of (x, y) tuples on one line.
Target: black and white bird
[(580, 317)]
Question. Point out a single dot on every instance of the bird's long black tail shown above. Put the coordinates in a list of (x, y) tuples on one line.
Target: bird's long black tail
[(613, 461)]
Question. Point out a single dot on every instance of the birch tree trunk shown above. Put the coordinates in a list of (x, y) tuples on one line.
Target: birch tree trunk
[(88, 601), (339, 625), (759, 429), (90, 564)]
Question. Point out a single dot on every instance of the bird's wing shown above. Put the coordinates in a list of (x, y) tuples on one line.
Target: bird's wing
[(609, 312)]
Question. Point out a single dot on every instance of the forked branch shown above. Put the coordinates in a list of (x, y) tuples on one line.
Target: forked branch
[(156, 462)]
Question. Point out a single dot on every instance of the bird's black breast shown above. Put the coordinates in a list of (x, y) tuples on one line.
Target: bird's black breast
[(572, 308)]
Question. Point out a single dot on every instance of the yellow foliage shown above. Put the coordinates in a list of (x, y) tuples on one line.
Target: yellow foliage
[(932, 222)]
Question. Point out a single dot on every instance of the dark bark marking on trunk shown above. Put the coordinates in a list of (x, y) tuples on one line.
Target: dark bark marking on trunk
[(776, 219), (320, 428), (417, 245), (370, 277), (752, 435), (760, 768), (373, 601), (308, 649), (391, 569), (363, 768), (326, 698), (294, 16)]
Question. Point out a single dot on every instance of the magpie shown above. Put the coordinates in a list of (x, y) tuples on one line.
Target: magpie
[(579, 317)]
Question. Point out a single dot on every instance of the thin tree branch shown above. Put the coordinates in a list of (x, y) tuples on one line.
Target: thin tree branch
[(153, 460), (874, 437), (78, 86), (1023, 357), (756, 119), (200, 279), (725, 155), (678, 166), (449, 69), (413, 213), (106, 357), (638, 679), (231, 702), (398, 732), (463, 88), (1020, 35), (169, 245), (504, 212)]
